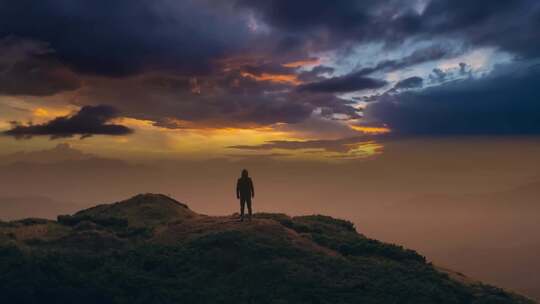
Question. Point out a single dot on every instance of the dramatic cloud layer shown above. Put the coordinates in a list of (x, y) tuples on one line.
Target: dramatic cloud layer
[(90, 120), (482, 22), (348, 83), (416, 57), (126, 36), (505, 102), (409, 83), (24, 71), (204, 64), (510, 25)]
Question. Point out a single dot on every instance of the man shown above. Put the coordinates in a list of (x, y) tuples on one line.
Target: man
[(244, 192)]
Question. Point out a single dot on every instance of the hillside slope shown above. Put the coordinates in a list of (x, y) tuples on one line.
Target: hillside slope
[(153, 249)]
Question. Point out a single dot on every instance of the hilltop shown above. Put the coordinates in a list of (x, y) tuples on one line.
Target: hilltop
[(154, 249)]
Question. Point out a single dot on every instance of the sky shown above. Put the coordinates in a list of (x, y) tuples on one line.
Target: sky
[(417, 114), (202, 78)]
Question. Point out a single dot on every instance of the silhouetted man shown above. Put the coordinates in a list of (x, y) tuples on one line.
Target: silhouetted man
[(244, 192)]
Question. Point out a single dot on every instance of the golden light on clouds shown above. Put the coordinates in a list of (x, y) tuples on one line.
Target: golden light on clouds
[(369, 148), (40, 112), (353, 151), (50, 113), (201, 140), (371, 130), (278, 78), (216, 142), (239, 63), (135, 123), (4, 125), (186, 142)]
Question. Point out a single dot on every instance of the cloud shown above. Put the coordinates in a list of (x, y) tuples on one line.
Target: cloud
[(303, 14), (316, 73), (130, 37), (127, 37), (508, 25), (347, 83), (89, 121), (506, 102), (438, 75), (418, 56), (207, 64), (342, 145), (480, 23), (318, 127), (25, 69), (228, 99), (216, 102), (410, 83), (331, 23)]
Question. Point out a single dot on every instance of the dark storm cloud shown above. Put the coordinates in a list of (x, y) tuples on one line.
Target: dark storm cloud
[(410, 83), (316, 73), (326, 25), (328, 104), (25, 71), (355, 81), (303, 14), (267, 68), (37, 79), (418, 56), (89, 121), (126, 36), (198, 63), (213, 106), (223, 100), (505, 102), (336, 22), (241, 111), (510, 25)]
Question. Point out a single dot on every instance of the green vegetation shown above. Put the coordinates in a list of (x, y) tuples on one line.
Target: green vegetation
[(97, 256)]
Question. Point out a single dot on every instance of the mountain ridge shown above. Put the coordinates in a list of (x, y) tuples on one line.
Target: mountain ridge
[(154, 249)]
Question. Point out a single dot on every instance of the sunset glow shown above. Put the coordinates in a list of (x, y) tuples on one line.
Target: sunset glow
[(371, 130), (49, 113), (394, 142), (279, 78)]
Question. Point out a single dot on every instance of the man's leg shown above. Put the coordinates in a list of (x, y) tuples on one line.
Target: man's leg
[(242, 203), (248, 201)]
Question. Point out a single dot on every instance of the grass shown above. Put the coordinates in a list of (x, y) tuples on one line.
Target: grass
[(274, 259)]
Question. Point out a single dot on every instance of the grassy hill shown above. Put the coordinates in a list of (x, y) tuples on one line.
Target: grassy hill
[(153, 249)]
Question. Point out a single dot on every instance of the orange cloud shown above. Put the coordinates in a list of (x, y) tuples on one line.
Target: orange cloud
[(371, 130), (50, 113), (279, 78)]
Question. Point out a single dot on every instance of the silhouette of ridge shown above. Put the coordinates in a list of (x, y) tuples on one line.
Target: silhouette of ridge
[(153, 249)]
